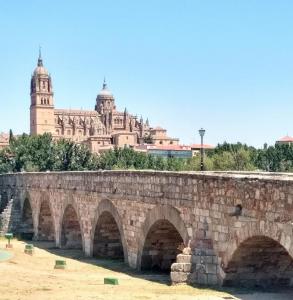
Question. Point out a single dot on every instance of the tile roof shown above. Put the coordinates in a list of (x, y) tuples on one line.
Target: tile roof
[(168, 147), (286, 139), (205, 146)]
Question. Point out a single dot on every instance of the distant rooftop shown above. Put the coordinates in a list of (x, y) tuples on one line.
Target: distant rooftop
[(175, 147), (4, 137), (205, 146), (286, 139)]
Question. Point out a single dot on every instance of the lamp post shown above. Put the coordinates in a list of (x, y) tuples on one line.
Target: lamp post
[(201, 133)]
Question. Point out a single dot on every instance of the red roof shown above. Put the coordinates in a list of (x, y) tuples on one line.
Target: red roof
[(205, 146), (158, 128), (168, 147), (286, 139)]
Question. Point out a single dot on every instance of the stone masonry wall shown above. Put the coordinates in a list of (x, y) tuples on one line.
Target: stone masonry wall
[(214, 213)]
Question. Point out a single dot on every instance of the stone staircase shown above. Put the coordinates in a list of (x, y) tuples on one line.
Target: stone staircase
[(10, 218)]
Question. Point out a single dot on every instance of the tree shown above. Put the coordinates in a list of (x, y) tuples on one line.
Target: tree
[(148, 139), (11, 137), (73, 157)]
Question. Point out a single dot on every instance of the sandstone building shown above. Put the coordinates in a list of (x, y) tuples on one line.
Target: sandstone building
[(100, 129), (4, 140)]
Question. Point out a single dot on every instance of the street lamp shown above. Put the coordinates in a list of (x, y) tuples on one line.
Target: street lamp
[(201, 133)]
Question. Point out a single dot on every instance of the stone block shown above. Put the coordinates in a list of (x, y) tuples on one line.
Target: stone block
[(211, 268), (182, 258), (197, 259), (202, 279), (181, 267), (187, 268), (213, 280), (215, 259), (179, 277)]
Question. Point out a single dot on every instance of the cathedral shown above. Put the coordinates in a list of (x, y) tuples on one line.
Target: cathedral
[(100, 129)]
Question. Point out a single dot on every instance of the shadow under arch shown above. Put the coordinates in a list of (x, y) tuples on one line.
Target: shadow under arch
[(107, 213), (166, 216), (4, 200), (71, 234), (258, 257), (46, 221), (26, 227)]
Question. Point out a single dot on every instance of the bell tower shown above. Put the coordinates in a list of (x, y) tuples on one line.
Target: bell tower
[(42, 105)]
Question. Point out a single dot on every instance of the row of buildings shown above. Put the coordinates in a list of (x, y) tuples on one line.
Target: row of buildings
[(102, 128)]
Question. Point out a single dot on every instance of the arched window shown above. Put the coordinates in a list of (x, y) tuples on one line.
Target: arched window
[(42, 101)]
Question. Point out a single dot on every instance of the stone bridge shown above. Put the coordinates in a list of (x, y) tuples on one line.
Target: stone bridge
[(204, 228)]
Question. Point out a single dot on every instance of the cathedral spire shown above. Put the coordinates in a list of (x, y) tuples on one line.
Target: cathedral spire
[(104, 84), (40, 60)]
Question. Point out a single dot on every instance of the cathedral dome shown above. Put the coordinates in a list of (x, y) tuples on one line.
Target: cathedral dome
[(105, 93)]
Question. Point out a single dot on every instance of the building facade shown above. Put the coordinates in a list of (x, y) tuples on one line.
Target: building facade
[(4, 140), (286, 140), (100, 129)]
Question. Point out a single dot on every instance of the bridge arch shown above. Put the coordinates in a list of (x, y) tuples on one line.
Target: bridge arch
[(162, 232), (4, 200), (107, 238), (27, 227), (46, 221), (260, 255), (71, 234)]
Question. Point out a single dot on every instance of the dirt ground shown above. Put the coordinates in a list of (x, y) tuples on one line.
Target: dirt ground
[(26, 277)]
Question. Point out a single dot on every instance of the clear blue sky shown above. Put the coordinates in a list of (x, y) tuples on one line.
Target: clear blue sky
[(224, 65)]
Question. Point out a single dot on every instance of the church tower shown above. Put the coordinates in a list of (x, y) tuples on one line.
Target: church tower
[(42, 105)]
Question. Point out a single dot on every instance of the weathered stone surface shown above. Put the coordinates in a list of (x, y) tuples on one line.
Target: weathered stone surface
[(149, 217), (178, 277), (181, 267), (182, 258)]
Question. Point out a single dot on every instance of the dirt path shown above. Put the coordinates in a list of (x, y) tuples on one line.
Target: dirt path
[(26, 277)]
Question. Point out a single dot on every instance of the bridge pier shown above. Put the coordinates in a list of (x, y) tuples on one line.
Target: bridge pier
[(87, 247), (58, 238)]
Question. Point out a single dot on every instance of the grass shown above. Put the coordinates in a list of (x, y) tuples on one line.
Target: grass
[(34, 277)]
